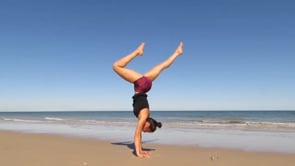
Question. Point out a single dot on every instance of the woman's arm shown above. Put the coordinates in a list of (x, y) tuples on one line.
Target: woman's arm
[(137, 136)]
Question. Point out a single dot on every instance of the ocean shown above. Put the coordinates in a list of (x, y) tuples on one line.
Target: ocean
[(246, 130)]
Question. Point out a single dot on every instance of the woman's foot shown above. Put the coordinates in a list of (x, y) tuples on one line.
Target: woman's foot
[(139, 50), (179, 49)]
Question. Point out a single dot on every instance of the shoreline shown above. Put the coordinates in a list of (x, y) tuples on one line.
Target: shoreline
[(248, 130), (30, 149)]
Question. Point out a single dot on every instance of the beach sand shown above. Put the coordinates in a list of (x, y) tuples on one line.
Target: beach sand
[(20, 149)]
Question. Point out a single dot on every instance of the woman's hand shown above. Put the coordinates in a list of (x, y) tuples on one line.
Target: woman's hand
[(144, 154)]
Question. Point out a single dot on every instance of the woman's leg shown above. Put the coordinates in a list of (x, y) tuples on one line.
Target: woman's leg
[(128, 74), (155, 71)]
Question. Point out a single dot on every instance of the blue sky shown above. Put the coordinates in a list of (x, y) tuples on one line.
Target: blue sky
[(58, 54)]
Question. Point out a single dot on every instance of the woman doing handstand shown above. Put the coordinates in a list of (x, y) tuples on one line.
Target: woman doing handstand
[(142, 84)]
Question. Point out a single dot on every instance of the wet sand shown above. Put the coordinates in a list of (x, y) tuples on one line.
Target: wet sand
[(21, 149)]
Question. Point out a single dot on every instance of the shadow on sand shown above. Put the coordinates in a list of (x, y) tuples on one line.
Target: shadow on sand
[(130, 145)]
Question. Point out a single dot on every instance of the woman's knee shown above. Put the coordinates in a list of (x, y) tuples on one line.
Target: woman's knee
[(116, 67)]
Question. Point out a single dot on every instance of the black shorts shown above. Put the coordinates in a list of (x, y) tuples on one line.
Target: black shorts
[(139, 102)]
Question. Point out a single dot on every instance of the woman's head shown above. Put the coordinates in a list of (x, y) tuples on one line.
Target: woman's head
[(151, 125)]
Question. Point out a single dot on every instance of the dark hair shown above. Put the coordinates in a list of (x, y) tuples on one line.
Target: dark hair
[(154, 124)]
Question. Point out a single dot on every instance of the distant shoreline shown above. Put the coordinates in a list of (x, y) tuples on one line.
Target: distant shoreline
[(266, 110)]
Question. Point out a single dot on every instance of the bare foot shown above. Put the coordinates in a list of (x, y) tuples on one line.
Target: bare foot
[(179, 49), (139, 50)]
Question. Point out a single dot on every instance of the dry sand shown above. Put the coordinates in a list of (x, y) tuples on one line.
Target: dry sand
[(19, 149)]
